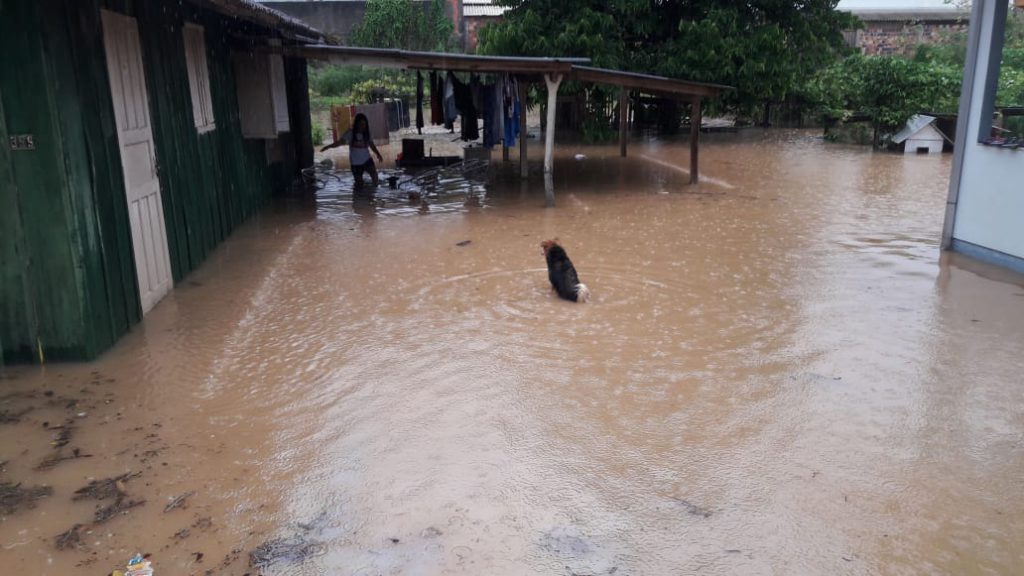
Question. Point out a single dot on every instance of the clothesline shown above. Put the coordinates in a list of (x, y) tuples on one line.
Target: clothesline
[(452, 99)]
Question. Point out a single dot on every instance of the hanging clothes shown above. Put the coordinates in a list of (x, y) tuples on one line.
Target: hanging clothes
[(497, 98), (512, 124), (462, 98), (451, 110), (419, 102), (491, 112), (436, 95)]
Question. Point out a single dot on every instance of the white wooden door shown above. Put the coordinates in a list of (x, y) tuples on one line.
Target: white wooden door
[(138, 157)]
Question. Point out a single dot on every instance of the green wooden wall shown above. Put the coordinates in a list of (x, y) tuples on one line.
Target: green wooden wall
[(67, 275)]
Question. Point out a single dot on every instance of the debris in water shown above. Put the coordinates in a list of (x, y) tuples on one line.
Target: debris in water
[(120, 506), (464, 243), (139, 566), (13, 417), (431, 532), (178, 501), (106, 488), (293, 550), (693, 508), (393, 540), (565, 542), (13, 497), (66, 430), (69, 539)]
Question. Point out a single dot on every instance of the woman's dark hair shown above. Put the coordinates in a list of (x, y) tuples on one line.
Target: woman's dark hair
[(355, 124)]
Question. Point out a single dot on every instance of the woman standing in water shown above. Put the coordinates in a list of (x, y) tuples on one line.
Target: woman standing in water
[(359, 145)]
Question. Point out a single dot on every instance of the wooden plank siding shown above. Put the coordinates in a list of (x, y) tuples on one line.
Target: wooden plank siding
[(67, 272)]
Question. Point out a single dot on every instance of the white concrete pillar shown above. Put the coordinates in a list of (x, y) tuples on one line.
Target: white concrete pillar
[(549, 132)]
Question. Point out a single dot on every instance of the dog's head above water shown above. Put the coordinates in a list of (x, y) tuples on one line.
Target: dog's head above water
[(547, 245)]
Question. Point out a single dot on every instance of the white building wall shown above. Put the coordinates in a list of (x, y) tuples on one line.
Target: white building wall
[(990, 204)]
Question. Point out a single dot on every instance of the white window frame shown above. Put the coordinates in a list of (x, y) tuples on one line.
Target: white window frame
[(198, 77)]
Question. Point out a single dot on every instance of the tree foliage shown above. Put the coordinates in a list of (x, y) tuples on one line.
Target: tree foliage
[(888, 89), (403, 25), (764, 48), (891, 89)]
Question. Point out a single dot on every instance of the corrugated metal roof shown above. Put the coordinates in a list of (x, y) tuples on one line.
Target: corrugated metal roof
[(483, 11), (914, 125), (482, 8), (255, 12), (572, 68)]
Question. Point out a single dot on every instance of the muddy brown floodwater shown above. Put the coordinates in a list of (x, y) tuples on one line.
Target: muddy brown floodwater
[(778, 374)]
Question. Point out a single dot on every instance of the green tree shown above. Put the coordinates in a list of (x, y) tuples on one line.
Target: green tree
[(888, 89), (403, 25), (764, 48)]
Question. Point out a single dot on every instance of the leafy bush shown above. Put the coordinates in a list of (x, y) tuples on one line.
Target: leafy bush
[(331, 80), (318, 133), (888, 89), (337, 85)]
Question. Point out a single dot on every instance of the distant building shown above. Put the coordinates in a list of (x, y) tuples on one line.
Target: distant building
[(898, 27), (477, 14), (985, 208)]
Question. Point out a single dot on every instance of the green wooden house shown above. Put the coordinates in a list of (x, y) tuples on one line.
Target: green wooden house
[(135, 135)]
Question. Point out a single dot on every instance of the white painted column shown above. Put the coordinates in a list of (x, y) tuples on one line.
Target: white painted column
[(549, 132)]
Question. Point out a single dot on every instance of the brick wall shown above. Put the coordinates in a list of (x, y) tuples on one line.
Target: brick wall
[(885, 38)]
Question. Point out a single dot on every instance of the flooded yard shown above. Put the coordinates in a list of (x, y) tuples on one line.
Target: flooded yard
[(779, 373)]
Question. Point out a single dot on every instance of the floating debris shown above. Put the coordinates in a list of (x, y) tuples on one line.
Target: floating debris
[(138, 565), (431, 532), (57, 457), (120, 506), (69, 539), (178, 501), (106, 488), (67, 429), (464, 243), (13, 497), (12, 416), (693, 508), (293, 550)]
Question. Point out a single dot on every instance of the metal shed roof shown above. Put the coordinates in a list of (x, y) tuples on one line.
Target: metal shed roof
[(253, 11), (409, 60), (648, 82), (569, 68)]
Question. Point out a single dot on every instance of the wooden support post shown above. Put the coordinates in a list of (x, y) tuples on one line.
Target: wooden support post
[(524, 169), (549, 130), (623, 119), (695, 121), (504, 152)]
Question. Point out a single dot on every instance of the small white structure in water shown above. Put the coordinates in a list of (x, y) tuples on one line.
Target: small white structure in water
[(985, 208), (921, 136)]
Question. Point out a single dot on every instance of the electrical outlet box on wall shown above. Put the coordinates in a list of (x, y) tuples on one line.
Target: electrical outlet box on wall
[(262, 96)]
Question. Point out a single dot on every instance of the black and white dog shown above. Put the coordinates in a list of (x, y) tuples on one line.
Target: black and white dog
[(562, 273)]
